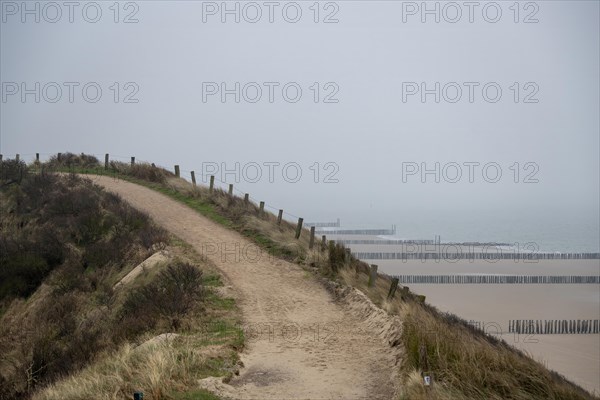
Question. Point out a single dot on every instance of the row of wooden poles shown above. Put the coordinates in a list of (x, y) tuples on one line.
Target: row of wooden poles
[(386, 241), (348, 256), (554, 326), (508, 279), (495, 254), (177, 172), (211, 188), (363, 231), (335, 224), (373, 269)]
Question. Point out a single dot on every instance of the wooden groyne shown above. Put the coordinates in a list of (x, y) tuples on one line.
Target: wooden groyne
[(554, 326), (385, 241), (372, 232), (417, 241), (324, 224), (494, 255), (499, 279)]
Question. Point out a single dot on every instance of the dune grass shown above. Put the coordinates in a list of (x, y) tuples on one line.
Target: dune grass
[(66, 330), (165, 370)]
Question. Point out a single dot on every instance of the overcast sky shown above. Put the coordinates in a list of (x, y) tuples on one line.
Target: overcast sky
[(369, 123)]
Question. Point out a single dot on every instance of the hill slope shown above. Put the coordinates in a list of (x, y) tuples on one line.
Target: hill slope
[(64, 245)]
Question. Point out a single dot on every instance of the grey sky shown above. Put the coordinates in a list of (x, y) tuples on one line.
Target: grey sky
[(369, 133)]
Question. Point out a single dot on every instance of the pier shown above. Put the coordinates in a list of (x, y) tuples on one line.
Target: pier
[(498, 279), (324, 224), (466, 255), (374, 232)]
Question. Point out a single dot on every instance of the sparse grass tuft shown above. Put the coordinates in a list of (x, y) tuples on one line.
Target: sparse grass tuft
[(159, 370)]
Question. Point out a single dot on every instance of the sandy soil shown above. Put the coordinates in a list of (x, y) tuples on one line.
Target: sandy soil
[(146, 265), (302, 344)]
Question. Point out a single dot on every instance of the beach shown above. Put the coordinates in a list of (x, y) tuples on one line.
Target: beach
[(492, 306)]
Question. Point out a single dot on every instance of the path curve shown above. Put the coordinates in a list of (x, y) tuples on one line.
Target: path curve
[(301, 344)]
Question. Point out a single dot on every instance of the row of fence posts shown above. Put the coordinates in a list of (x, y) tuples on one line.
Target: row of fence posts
[(210, 188), (37, 157), (18, 157), (554, 326), (373, 269), (59, 159), (373, 274), (261, 206)]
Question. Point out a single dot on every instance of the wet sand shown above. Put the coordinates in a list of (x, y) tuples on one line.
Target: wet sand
[(575, 356), (491, 306)]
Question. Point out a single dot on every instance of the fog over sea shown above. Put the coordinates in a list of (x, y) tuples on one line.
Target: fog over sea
[(561, 231)]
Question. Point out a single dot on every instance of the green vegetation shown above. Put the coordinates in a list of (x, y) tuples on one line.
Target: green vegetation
[(469, 365), (66, 330), (195, 395)]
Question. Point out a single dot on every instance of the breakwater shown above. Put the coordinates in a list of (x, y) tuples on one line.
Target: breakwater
[(554, 326), (494, 255), (335, 224), (499, 279), (360, 231)]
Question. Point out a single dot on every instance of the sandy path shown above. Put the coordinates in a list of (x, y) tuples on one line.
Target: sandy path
[(301, 344)]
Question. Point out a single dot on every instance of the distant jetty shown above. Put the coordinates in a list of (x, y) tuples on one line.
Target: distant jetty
[(469, 255), (417, 241), (360, 231), (498, 279), (335, 224)]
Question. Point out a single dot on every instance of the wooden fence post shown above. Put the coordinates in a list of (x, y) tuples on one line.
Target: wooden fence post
[(423, 361), (193, 178), (373, 275), (177, 171), (212, 184), (347, 256), (59, 157), (0, 157), (261, 208), (299, 228), (246, 198), (132, 161), (311, 243), (323, 242), (230, 190), (18, 157), (393, 287), (106, 161), (279, 217), (37, 158)]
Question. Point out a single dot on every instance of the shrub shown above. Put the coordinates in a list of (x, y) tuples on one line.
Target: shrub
[(148, 173), (12, 171), (337, 256), (73, 160), (21, 273), (142, 171), (175, 292), (68, 233)]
